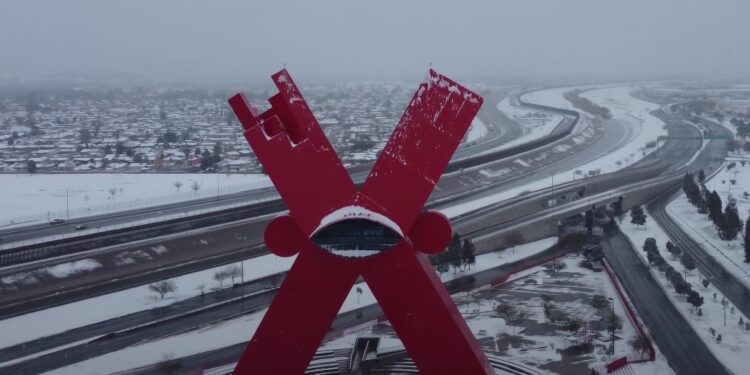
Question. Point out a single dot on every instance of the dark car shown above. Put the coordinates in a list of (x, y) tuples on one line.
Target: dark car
[(81, 227), (57, 221)]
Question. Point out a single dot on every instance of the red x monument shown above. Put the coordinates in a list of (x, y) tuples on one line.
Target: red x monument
[(379, 232)]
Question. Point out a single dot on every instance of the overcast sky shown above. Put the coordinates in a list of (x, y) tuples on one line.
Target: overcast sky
[(375, 40)]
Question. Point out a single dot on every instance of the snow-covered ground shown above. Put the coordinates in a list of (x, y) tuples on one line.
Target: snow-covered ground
[(92, 310), (734, 348), (57, 271), (552, 97), (634, 113), (540, 348), (477, 130), (40, 197), (730, 254), (239, 329), (534, 123)]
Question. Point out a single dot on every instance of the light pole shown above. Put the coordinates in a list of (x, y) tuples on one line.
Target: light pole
[(242, 286), (67, 201), (218, 184), (552, 175), (612, 324)]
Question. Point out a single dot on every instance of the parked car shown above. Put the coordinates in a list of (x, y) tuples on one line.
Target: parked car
[(81, 227), (57, 221)]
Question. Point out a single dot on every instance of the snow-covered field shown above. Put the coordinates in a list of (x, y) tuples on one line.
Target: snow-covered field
[(634, 113), (40, 197), (734, 348), (234, 330), (730, 254)]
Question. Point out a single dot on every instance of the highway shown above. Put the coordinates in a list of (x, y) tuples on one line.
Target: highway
[(734, 289), (683, 348), (685, 351)]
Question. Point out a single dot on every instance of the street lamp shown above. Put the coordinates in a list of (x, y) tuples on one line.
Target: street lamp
[(242, 286), (612, 324), (218, 184), (552, 175), (67, 200)]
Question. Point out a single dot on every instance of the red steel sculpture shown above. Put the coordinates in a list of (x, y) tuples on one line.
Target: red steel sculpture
[(379, 232)]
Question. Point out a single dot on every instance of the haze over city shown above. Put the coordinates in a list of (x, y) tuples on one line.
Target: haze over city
[(390, 40)]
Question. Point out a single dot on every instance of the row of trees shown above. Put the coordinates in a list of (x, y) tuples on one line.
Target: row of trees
[(459, 255), (743, 127), (677, 280), (164, 287), (587, 105), (637, 216), (727, 221)]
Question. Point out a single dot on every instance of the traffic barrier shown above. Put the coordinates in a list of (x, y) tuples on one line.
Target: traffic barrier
[(633, 317)]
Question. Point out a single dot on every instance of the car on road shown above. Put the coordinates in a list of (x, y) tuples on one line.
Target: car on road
[(81, 227), (57, 221)]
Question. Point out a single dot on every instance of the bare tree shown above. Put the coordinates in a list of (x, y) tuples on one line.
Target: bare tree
[(178, 185), (163, 287), (234, 272), (513, 239), (201, 288), (195, 186), (220, 276), (639, 344), (112, 192), (506, 311)]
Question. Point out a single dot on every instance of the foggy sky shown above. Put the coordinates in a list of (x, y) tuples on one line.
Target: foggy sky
[(375, 40)]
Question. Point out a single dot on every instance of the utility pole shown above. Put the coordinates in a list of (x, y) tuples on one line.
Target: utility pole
[(242, 286), (218, 184), (552, 174), (67, 201), (612, 323)]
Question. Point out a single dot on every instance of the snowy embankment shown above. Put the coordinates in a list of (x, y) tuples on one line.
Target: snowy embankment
[(633, 113), (40, 197), (232, 331), (552, 97), (643, 128), (731, 254), (534, 123), (734, 348), (477, 130)]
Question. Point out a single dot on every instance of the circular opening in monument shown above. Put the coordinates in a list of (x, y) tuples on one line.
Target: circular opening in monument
[(356, 238)]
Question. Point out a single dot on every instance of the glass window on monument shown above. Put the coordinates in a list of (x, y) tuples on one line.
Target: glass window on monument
[(356, 238)]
